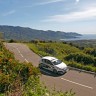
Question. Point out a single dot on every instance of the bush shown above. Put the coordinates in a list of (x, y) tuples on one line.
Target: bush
[(11, 70), (81, 58), (4, 82), (90, 51), (12, 41)]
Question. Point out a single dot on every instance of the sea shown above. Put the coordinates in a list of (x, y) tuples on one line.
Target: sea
[(83, 37)]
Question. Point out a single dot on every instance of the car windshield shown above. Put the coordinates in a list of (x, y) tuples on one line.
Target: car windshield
[(57, 62)]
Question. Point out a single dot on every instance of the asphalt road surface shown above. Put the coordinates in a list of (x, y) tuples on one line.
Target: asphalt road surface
[(83, 84)]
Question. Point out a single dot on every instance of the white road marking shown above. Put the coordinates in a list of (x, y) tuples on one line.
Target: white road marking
[(21, 55), (77, 83), (18, 50), (26, 60)]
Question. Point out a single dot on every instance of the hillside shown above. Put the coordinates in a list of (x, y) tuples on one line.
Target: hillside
[(75, 56), (84, 43), (25, 33)]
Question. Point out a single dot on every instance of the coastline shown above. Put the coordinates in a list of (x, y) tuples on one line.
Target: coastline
[(82, 37)]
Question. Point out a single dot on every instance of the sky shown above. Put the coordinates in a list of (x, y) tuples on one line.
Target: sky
[(57, 15)]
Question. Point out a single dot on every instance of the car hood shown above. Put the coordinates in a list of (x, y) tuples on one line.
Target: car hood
[(61, 65)]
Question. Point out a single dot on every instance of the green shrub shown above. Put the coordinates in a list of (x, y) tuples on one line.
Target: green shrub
[(11, 70), (4, 82), (90, 51), (80, 58), (12, 41)]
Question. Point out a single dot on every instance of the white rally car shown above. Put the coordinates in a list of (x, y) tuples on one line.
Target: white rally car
[(53, 64)]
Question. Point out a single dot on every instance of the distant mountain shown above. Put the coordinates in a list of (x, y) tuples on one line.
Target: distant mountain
[(25, 33)]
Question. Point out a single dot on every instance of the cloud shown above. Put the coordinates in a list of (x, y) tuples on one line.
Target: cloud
[(73, 16), (49, 2), (77, 1), (43, 3), (9, 13)]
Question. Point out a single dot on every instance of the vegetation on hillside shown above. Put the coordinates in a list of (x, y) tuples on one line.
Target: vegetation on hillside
[(83, 58), (27, 34), (84, 43), (21, 79)]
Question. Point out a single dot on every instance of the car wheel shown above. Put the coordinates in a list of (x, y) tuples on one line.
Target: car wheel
[(55, 71), (61, 73)]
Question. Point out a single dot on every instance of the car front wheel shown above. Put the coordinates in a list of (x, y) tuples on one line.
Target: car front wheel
[(40, 65), (55, 71)]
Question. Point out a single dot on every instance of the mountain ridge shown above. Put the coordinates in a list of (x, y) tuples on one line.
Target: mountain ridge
[(27, 34)]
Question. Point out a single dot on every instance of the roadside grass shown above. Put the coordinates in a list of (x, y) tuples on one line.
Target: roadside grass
[(71, 55)]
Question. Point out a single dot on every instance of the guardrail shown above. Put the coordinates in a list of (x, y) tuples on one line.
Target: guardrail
[(81, 70)]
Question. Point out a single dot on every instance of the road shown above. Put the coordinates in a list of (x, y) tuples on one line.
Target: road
[(83, 84)]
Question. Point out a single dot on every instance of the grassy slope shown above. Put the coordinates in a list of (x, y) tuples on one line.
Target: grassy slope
[(68, 53)]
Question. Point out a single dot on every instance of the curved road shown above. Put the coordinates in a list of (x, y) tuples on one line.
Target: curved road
[(82, 83)]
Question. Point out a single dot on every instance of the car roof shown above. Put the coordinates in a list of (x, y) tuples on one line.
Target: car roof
[(50, 58)]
